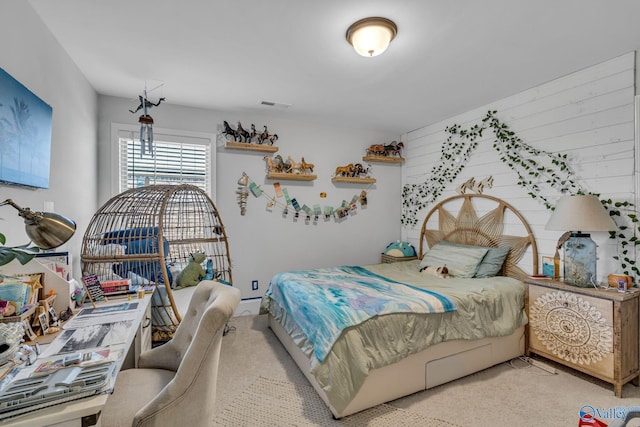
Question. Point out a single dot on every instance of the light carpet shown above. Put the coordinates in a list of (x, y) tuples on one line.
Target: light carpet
[(269, 402)]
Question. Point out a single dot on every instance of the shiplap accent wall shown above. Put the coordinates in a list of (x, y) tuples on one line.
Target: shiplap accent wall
[(588, 114)]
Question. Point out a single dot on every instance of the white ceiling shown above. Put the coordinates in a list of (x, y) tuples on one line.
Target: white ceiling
[(449, 56)]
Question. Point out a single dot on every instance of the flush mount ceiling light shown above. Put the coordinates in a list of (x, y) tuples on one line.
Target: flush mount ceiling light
[(371, 36)]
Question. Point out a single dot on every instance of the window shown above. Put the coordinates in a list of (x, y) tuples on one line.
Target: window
[(177, 159)]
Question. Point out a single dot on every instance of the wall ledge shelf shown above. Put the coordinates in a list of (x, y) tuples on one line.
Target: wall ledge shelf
[(383, 159), (250, 147), (353, 179), (291, 176)]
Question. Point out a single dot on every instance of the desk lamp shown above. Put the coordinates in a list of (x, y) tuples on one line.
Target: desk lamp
[(45, 229), (583, 213)]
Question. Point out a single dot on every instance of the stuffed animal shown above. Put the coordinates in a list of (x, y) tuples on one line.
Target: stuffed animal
[(193, 273), (438, 271), (400, 249)]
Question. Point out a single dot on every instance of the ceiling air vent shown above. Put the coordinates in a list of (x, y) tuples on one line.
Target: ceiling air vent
[(275, 104)]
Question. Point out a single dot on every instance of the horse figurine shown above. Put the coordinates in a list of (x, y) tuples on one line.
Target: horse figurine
[(282, 165), (263, 136), (272, 138), (271, 165), (252, 132), (393, 149), (229, 131), (242, 133), (376, 150), (306, 166), (359, 169), (344, 170), (295, 167)]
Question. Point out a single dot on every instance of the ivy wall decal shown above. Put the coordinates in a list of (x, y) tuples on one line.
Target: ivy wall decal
[(536, 170)]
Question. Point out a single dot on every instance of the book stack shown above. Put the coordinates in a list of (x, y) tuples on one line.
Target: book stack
[(115, 287)]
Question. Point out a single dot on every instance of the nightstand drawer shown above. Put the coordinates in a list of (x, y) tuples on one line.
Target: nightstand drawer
[(575, 328)]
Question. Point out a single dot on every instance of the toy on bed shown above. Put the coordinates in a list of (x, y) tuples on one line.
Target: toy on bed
[(193, 273), (439, 271)]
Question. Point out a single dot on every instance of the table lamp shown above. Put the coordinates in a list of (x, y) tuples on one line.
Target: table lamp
[(45, 229), (583, 213)]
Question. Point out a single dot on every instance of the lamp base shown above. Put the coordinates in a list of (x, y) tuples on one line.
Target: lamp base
[(580, 260)]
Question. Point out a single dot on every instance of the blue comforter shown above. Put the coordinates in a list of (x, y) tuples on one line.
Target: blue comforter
[(326, 301)]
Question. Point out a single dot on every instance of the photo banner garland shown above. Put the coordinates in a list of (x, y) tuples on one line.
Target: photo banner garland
[(287, 202)]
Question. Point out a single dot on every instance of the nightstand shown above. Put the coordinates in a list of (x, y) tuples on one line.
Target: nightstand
[(594, 331), (388, 259)]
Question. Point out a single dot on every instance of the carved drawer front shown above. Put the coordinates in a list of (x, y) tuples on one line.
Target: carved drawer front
[(573, 328)]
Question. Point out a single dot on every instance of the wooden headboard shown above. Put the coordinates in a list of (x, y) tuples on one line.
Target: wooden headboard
[(466, 227)]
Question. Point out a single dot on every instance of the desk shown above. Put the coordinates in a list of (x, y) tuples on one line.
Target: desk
[(85, 411)]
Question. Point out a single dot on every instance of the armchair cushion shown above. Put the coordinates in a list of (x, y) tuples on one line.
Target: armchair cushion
[(134, 389)]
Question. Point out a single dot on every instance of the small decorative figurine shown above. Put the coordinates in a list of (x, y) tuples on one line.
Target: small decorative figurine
[(353, 170), (193, 273), (344, 170), (243, 193), (240, 134), (271, 165), (392, 149), (229, 131), (294, 166), (477, 187), (306, 166), (243, 134)]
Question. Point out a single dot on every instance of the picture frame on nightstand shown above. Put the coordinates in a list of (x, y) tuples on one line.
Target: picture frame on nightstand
[(548, 266)]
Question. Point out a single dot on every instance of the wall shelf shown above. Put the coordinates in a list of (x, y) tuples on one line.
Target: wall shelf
[(291, 176), (353, 179), (250, 147), (383, 159)]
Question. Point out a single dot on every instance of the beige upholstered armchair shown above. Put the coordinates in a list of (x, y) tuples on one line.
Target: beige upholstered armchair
[(175, 383)]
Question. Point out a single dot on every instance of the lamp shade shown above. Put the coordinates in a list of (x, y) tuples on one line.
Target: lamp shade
[(46, 230), (371, 36), (580, 213), (49, 230)]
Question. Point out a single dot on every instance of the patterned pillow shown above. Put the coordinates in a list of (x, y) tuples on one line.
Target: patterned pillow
[(461, 261), (491, 263)]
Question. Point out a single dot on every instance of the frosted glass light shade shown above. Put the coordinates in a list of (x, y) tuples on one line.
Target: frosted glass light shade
[(371, 36)]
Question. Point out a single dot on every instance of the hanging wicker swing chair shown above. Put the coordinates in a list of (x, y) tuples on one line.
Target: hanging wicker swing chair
[(147, 235)]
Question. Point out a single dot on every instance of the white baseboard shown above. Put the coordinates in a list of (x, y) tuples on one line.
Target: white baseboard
[(248, 307)]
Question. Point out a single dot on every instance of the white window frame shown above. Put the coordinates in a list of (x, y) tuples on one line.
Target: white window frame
[(208, 139)]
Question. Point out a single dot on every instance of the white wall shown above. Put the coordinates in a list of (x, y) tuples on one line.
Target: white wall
[(588, 115), (32, 56), (263, 243)]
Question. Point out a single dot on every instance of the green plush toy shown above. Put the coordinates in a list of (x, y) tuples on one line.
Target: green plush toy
[(193, 273)]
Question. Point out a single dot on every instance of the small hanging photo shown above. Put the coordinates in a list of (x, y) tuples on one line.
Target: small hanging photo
[(44, 322)]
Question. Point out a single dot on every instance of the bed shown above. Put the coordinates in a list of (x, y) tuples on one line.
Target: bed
[(388, 330)]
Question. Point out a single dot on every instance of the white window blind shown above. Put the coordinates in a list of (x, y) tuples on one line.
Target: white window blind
[(176, 160)]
